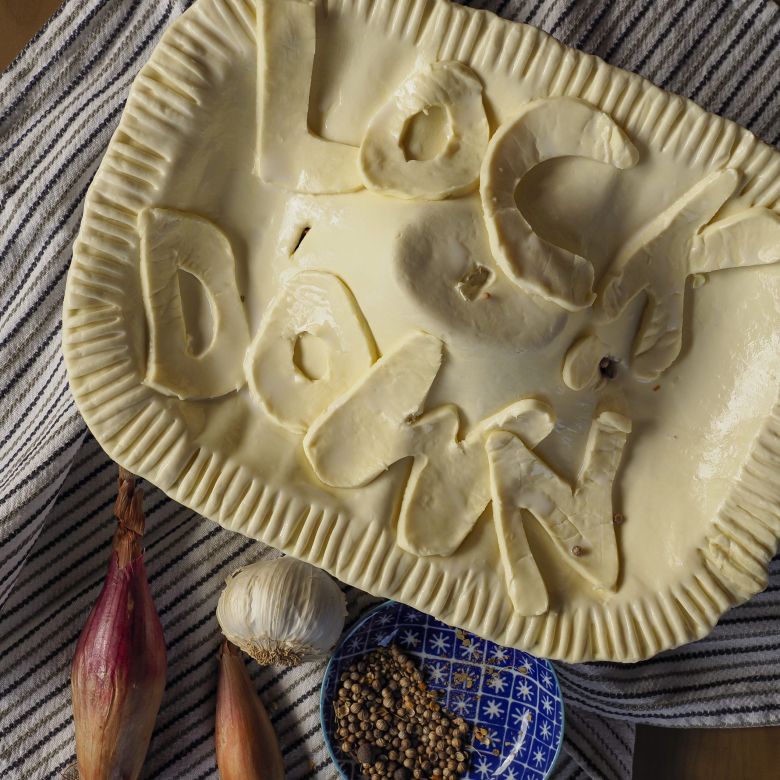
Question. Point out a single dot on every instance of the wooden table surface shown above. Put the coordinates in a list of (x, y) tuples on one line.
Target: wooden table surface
[(661, 754)]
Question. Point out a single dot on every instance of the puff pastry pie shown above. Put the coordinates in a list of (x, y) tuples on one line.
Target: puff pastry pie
[(469, 319)]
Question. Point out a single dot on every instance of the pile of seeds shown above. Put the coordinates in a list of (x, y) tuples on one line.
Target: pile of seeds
[(392, 724)]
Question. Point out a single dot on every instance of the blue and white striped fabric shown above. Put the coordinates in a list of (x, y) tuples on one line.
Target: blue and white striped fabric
[(59, 103)]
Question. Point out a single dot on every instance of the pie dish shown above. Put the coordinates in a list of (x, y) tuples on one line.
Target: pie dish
[(470, 319)]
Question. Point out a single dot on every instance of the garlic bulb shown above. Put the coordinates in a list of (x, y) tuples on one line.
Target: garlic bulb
[(282, 611)]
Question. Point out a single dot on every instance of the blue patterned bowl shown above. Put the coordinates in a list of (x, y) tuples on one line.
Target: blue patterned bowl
[(512, 697)]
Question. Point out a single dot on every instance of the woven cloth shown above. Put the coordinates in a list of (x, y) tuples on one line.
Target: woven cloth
[(60, 100)]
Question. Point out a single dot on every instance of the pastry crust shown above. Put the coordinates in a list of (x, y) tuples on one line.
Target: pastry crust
[(699, 480)]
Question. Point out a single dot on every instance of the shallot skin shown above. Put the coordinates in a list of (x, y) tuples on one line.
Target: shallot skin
[(119, 668), (246, 745)]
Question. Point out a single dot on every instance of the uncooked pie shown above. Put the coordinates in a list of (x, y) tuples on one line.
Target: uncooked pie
[(469, 319)]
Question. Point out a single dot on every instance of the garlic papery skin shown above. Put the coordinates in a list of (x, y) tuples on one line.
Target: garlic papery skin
[(282, 611)]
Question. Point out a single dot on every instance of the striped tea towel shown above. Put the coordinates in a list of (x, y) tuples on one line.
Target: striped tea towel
[(59, 103)]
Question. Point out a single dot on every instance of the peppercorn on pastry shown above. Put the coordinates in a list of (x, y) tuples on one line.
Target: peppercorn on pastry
[(465, 317)]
